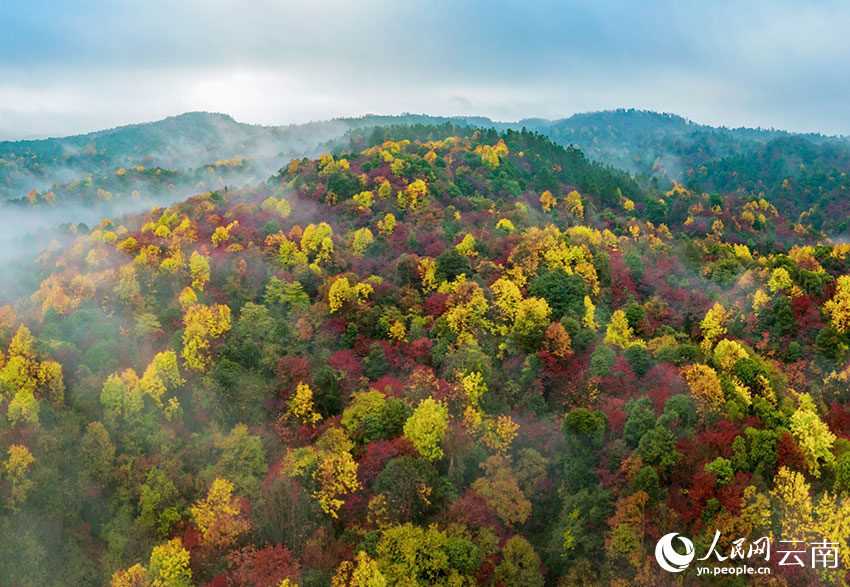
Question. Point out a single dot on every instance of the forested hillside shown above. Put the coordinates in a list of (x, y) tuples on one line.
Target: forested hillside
[(442, 356)]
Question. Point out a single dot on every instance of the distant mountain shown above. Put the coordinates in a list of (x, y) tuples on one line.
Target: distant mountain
[(187, 141), (648, 142), (133, 167)]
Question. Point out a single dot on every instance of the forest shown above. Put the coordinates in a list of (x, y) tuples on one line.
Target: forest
[(434, 352)]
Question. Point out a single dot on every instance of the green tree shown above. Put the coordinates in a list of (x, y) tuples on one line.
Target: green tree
[(426, 428)]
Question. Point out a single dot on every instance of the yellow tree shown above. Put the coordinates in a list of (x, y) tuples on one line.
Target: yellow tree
[(342, 292), (412, 194), (283, 208), (428, 273), (833, 526), (794, 504), (364, 201), (838, 308), (548, 201), (507, 298), (426, 428), (385, 189), (387, 225), (219, 516), (727, 352), (812, 435), (363, 571), (161, 375), (467, 309), (199, 269), (335, 477), (574, 205), (135, 576), (318, 240), (589, 319), (466, 246), (203, 323), (760, 300), (362, 238), (17, 473), (713, 326), (619, 332), (530, 322), (705, 387), (301, 405), (779, 279), (169, 565), (222, 233)]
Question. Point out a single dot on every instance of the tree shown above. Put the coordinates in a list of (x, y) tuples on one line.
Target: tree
[(199, 269), (203, 323), (530, 322), (301, 405), (17, 472), (415, 556), (335, 477), (812, 435), (626, 538), (387, 225), (727, 352), (169, 565), (500, 489), (162, 375), (411, 196), (507, 298), (619, 332), (563, 292), (158, 502), (838, 308), (364, 406), (574, 205), (466, 246), (241, 460), (364, 201), (317, 240), (779, 279), (219, 516), (520, 564), (409, 489), (222, 233), (342, 291), (713, 325), (426, 428), (363, 571), (589, 318), (557, 341), (794, 504), (271, 566), (705, 387), (363, 237), (135, 576), (97, 452)]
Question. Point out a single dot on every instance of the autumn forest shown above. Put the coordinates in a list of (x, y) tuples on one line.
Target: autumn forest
[(420, 351)]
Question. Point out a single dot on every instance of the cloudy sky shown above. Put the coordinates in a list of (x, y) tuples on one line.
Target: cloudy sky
[(69, 67)]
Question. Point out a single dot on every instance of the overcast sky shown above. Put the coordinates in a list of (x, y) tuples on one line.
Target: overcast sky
[(70, 67)]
